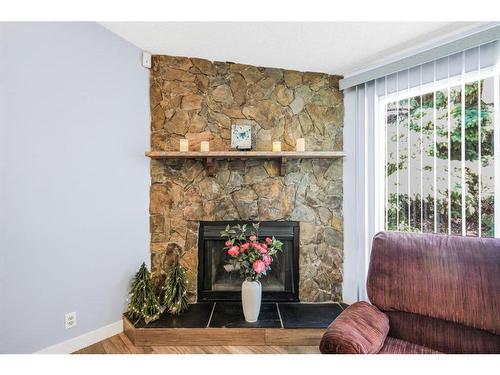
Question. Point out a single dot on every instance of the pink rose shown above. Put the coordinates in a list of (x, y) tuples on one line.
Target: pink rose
[(256, 245), (233, 250), (263, 251), (245, 246), (269, 239), (227, 243), (253, 237), (259, 266), (264, 246), (267, 260)]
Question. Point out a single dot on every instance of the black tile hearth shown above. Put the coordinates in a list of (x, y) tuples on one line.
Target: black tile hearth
[(309, 315), (230, 315), (196, 316)]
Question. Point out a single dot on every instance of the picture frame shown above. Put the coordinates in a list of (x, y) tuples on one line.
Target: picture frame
[(241, 137)]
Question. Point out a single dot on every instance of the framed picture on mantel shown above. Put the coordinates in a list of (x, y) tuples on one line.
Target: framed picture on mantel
[(241, 137)]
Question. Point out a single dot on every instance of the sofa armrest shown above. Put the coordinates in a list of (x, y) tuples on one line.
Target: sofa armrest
[(359, 329)]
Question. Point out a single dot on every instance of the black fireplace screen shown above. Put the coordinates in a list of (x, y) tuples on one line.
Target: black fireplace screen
[(217, 281)]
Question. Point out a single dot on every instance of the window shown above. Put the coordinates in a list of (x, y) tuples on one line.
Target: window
[(439, 176)]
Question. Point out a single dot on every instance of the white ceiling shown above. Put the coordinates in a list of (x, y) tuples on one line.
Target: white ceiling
[(328, 47)]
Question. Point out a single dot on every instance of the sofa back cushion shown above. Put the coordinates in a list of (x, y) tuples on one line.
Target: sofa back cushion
[(452, 278)]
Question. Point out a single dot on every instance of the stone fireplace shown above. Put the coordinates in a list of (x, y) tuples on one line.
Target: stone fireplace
[(200, 100)]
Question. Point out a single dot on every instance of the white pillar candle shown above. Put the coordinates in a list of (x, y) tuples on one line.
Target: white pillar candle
[(300, 145), (183, 145), (204, 146), (276, 146)]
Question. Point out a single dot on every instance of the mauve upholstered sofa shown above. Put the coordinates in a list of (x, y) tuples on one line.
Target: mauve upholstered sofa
[(429, 294)]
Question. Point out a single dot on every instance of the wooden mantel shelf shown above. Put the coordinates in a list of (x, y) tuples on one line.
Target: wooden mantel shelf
[(209, 157), (244, 155)]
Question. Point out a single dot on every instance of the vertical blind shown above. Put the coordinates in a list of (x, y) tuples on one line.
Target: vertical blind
[(437, 123), (410, 164)]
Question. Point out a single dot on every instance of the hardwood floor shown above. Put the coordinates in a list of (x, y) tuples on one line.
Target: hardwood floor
[(120, 344)]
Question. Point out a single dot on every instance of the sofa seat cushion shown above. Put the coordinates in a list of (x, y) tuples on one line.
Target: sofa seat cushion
[(359, 329), (396, 346)]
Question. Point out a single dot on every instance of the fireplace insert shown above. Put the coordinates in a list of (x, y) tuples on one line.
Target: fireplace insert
[(219, 283)]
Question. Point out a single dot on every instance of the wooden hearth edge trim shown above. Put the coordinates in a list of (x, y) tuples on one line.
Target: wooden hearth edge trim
[(222, 336)]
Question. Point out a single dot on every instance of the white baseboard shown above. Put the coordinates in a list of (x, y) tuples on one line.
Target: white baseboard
[(82, 341)]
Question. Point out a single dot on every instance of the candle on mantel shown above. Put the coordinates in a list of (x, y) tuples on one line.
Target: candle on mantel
[(300, 145), (204, 146), (276, 146), (183, 145)]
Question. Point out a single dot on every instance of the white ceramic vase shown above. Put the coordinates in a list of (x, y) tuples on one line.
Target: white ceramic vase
[(251, 296)]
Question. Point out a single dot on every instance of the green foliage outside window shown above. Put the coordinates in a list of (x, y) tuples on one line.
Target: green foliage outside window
[(415, 118)]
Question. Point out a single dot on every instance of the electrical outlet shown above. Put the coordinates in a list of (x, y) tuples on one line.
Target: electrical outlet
[(70, 320)]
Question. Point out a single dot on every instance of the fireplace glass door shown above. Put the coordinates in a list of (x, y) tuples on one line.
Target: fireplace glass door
[(217, 280)]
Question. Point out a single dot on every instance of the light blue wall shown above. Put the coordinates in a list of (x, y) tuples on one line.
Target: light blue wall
[(73, 176)]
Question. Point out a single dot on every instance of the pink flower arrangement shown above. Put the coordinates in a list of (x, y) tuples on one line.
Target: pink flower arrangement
[(245, 252)]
